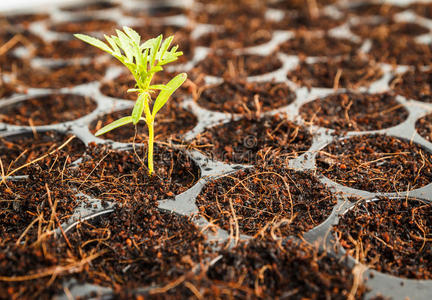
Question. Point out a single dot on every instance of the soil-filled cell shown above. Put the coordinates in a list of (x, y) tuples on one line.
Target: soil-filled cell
[(25, 201), (85, 26), (414, 84), (355, 112), (402, 50), (171, 122), (351, 72), (122, 175), (424, 127), (271, 270), (261, 200), (67, 49), (47, 109), (376, 163), (377, 9), (422, 9), (42, 148), (302, 20), (310, 45), (241, 97), (390, 29), (398, 231), (299, 4), (65, 75), (154, 247), (234, 66), (253, 141)]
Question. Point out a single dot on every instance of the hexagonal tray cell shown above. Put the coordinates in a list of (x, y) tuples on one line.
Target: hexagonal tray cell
[(26, 200), (85, 25), (155, 248), (98, 174), (20, 149), (271, 269), (371, 9), (160, 11), (302, 20), (46, 109), (229, 64), (414, 84), (385, 30), (235, 35), (241, 97), (350, 72), (262, 200), (310, 45), (402, 50), (424, 127), (376, 163), (397, 231), (253, 141), (171, 122), (60, 76), (355, 112)]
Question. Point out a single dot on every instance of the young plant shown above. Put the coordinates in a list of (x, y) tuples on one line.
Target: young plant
[(143, 60)]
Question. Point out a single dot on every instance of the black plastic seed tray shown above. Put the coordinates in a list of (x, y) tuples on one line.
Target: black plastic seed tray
[(212, 169)]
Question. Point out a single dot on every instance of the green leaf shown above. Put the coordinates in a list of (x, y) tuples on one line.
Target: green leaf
[(155, 49), (164, 47), (113, 44), (136, 38), (157, 87), (138, 108), (94, 42), (114, 125), (125, 43), (164, 95)]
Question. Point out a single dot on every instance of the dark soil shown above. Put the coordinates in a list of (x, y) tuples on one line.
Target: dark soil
[(22, 19), (355, 112), (424, 127), (302, 20), (233, 66), (27, 200), (297, 4), (159, 11), (47, 109), (67, 49), (422, 9), (85, 26), (414, 84), (396, 232), (266, 199), (351, 72), (386, 30), (231, 12), (306, 44), (122, 175), (241, 97), (254, 141), (60, 76), (154, 247), (17, 150), (402, 50), (271, 270), (378, 9), (171, 122), (376, 163), (91, 7), (233, 36), (6, 89)]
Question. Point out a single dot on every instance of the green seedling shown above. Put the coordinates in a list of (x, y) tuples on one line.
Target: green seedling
[(143, 60)]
